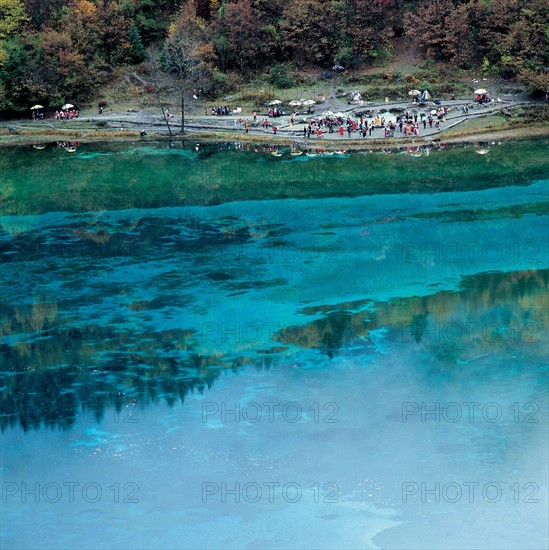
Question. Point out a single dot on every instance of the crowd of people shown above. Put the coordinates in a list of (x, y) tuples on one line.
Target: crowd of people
[(66, 114), (362, 123), (60, 114), (221, 110), (407, 123), (482, 99)]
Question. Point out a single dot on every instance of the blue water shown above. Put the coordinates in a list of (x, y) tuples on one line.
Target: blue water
[(326, 347)]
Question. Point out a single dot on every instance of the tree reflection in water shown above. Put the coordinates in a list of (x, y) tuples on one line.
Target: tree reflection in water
[(66, 371)]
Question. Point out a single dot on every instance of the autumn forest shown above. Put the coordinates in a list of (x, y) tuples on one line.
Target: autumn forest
[(55, 50)]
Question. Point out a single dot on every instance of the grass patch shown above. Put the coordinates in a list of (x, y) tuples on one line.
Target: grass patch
[(481, 123)]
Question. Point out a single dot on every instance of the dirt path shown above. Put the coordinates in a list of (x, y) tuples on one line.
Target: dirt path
[(118, 125), (155, 123)]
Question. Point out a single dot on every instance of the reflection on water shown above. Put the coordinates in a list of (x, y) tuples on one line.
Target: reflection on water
[(115, 176), (65, 372), (127, 307)]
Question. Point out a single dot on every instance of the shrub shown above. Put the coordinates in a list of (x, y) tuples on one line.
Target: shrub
[(538, 83), (220, 82), (345, 57), (144, 69), (258, 97), (281, 76)]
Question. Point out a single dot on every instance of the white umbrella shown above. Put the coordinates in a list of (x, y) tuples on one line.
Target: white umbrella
[(67, 106), (308, 102), (328, 113), (275, 102), (294, 103), (414, 92), (481, 91), (341, 115), (36, 107), (434, 112)]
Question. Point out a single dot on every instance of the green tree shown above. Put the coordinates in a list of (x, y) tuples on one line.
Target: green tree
[(137, 51), (41, 12), (12, 17), (20, 76)]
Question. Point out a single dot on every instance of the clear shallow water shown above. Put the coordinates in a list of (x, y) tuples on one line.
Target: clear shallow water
[(148, 175), (128, 336)]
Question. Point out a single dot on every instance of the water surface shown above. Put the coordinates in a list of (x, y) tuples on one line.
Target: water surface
[(168, 337)]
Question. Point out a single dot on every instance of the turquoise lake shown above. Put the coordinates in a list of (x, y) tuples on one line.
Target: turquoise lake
[(222, 346)]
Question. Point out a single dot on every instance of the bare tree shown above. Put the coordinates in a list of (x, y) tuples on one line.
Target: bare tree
[(181, 61), (156, 83)]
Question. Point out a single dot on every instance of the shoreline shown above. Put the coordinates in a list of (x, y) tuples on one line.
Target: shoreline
[(449, 135)]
